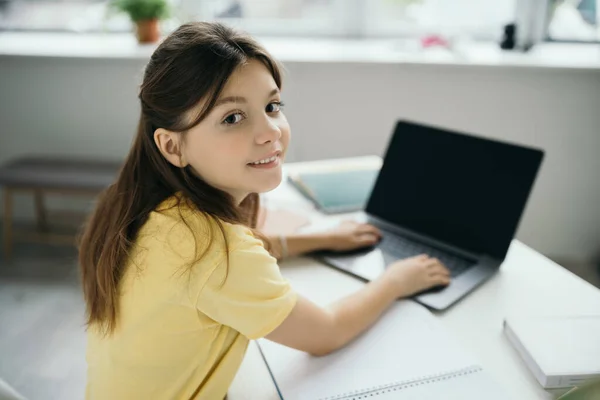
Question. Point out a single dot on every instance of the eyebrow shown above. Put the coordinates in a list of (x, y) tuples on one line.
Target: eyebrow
[(239, 99)]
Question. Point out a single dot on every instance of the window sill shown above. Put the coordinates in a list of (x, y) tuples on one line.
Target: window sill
[(310, 50)]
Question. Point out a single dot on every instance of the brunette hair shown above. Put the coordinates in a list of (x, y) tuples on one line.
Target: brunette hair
[(191, 65)]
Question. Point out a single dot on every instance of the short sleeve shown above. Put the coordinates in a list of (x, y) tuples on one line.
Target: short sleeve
[(247, 293)]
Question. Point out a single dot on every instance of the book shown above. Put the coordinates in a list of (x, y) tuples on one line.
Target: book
[(406, 355), (337, 190), (560, 351)]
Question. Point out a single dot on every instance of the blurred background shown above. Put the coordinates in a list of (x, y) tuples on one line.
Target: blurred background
[(573, 20), (524, 71)]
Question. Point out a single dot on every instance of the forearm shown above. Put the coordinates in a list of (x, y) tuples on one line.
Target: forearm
[(320, 331), (298, 244), (358, 311)]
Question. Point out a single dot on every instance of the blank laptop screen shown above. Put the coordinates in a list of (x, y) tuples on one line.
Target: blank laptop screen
[(462, 190)]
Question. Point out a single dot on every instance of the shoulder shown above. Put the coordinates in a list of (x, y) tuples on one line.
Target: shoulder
[(183, 231), (241, 237), (183, 227)]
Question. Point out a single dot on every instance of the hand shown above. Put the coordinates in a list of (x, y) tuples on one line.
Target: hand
[(351, 235), (415, 274)]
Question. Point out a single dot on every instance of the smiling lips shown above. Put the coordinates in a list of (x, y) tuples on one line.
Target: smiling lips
[(271, 161), (265, 161)]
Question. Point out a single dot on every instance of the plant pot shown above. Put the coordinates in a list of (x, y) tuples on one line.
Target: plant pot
[(147, 31)]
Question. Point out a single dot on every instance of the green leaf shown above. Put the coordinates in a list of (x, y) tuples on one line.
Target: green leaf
[(139, 10)]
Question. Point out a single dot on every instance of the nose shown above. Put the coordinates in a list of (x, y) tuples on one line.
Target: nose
[(267, 131)]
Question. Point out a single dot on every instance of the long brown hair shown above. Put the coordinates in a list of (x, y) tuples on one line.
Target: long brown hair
[(191, 65)]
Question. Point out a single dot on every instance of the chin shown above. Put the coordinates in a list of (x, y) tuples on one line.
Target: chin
[(264, 187)]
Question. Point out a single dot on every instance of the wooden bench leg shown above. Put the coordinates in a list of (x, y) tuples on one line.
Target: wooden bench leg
[(40, 211), (7, 219)]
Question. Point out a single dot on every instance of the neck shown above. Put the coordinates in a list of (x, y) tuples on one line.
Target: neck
[(239, 197)]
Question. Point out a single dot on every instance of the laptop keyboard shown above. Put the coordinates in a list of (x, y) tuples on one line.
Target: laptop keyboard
[(402, 247)]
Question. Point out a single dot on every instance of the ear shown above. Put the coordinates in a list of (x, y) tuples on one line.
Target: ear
[(169, 144)]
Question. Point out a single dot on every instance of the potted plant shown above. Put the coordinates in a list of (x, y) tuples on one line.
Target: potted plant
[(145, 14)]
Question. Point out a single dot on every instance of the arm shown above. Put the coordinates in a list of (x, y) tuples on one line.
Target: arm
[(298, 244), (348, 236), (320, 331)]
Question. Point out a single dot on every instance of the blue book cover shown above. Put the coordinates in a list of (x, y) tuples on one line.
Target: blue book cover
[(337, 191)]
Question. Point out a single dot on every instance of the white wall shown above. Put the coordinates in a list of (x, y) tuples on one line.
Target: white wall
[(89, 107)]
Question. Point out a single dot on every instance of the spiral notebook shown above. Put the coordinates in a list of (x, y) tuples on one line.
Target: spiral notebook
[(406, 355)]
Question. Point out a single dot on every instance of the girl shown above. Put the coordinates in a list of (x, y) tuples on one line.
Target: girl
[(175, 277)]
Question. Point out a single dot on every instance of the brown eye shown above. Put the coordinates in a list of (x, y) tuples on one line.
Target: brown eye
[(233, 119), (274, 107)]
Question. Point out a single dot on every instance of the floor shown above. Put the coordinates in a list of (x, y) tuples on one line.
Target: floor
[(42, 337)]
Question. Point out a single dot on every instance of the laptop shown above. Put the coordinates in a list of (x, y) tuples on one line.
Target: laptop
[(450, 195)]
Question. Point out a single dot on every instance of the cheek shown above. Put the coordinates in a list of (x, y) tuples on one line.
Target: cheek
[(205, 155), (234, 150), (285, 134), (221, 152)]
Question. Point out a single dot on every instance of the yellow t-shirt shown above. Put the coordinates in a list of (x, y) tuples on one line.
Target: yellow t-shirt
[(183, 326)]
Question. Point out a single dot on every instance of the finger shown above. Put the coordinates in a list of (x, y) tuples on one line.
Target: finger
[(439, 269), (440, 272), (367, 239), (441, 280), (367, 228), (433, 262), (445, 269), (420, 257)]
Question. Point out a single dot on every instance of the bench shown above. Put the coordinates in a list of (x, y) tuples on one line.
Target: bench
[(41, 176)]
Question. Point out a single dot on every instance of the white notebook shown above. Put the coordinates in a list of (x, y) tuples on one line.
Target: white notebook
[(560, 351), (406, 355)]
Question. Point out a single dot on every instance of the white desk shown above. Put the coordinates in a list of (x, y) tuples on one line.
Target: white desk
[(527, 283)]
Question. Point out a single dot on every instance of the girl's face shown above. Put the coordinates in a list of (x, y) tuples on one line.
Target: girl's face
[(240, 146)]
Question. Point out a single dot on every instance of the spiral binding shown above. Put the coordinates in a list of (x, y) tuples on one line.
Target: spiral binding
[(401, 385)]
